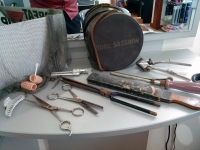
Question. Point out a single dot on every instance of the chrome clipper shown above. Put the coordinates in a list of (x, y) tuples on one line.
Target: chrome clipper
[(74, 72), (147, 65)]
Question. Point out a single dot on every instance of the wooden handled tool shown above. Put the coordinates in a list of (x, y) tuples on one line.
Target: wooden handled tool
[(190, 87), (148, 91)]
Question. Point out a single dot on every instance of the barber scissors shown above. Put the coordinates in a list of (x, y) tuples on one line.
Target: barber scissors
[(64, 124), (84, 103), (112, 95)]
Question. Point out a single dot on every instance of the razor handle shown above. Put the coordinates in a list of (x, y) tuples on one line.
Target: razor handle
[(190, 87)]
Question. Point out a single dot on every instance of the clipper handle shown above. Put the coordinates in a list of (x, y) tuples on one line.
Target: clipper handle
[(168, 62), (190, 87)]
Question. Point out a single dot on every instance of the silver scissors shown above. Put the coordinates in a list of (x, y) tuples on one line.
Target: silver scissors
[(85, 104), (64, 124)]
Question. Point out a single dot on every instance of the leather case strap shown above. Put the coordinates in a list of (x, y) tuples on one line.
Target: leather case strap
[(92, 37)]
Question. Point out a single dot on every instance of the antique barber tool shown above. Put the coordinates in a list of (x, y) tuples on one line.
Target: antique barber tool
[(149, 91), (148, 65), (74, 72), (85, 104), (167, 83), (150, 62), (112, 95), (53, 109), (10, 104)]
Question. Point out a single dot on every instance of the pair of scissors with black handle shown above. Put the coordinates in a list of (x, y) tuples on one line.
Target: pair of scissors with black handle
[(112, 95)]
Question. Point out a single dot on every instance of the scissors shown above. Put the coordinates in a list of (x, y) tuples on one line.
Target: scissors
[(111, 95), (85, 104), (63, 123)]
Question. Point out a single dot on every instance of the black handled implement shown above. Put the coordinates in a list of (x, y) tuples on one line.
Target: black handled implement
[(112, 95)]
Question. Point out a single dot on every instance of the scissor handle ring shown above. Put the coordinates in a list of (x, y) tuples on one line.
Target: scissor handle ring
[(53, 94), (68, 123), (66, 85), (78, 110)]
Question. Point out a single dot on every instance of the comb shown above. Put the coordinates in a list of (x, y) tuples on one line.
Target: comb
[(10, 104)]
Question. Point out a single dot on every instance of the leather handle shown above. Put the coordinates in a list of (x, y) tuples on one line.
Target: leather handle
[(133, 106), (190, 102), (101, 91), (136, 98), (81, 85), (190, 87)]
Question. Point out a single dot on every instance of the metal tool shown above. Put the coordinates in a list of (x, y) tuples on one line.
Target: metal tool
[(170, 72), (57, 82), (150, 62), (167, 83), (112, 95), (147, 66), (74, 72), (53, 109), (85, 104), (74, 111), (149, 91)]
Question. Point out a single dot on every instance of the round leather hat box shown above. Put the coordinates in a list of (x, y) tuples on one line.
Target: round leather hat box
[(114, 40), (96, 10)]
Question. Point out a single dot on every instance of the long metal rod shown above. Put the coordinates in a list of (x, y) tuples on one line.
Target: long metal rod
[(130, 76), (156, 82), (171, 62), (172, 73), (150, 62), (63, 72)]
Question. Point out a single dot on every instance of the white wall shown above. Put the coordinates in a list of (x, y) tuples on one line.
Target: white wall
[(196, 45)]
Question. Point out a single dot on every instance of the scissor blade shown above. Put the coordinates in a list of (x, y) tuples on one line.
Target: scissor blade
[(89, 108), (56, 83), (36, 103), (43, 103), (84, 101)]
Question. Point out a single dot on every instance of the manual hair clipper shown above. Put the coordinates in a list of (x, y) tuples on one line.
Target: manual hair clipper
[(146, 66), (74, 72), (10, 104)]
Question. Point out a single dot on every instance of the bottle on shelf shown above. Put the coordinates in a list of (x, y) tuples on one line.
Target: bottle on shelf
[(187, 11)]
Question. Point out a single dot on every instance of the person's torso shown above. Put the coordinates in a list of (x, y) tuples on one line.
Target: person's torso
[(69, 6)]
